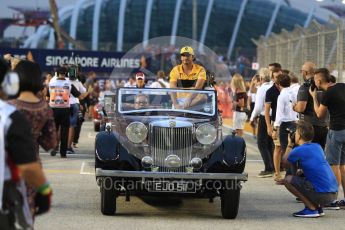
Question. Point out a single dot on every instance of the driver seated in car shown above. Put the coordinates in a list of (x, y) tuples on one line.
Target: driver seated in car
[(187, 75), (141, 102)]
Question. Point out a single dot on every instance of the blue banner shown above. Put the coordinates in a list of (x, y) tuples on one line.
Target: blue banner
[(103, 62)]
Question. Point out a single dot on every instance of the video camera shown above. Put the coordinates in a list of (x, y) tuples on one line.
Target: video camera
[(292, 134), (72, 72), (310, 83)]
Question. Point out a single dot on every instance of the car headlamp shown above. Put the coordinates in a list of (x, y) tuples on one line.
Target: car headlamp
[(206, 134), (136, 132)]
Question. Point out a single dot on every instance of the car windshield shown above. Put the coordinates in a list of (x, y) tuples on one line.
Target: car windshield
[(134, 100)]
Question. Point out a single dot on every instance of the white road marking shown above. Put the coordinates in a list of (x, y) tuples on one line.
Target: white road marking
[(82, 170), (254, 160)]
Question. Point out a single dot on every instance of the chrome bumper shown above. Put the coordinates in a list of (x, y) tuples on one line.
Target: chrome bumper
[(175, 175)]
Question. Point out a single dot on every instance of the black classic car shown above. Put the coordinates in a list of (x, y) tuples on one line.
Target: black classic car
[(169, 142)]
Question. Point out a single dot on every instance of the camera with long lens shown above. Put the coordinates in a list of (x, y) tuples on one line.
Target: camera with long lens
[(72, 72), (310, 83), (292, 134)]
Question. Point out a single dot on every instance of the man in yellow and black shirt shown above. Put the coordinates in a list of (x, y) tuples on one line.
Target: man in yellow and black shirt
[(187, 75)]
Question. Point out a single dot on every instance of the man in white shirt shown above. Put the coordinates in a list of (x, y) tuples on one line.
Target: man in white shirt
[(265, 143), (294, 86), (285, 118)]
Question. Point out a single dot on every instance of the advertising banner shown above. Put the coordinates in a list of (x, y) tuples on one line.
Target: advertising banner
[(104, 62)]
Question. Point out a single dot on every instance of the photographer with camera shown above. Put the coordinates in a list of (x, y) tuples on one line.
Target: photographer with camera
[(319, 186), (305, 105), (82, 110), (74, 104), (333, 100)]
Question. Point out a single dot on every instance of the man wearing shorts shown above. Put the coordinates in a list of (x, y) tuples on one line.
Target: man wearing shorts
[(333, 100), (319, 186)]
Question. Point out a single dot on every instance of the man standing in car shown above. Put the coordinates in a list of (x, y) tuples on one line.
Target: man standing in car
[(187, 75)]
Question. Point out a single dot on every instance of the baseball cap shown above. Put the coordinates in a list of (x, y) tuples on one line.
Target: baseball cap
[(187, 49), (140, 75)]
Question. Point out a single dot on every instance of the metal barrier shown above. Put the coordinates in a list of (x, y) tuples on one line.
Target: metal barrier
[(321, 44)]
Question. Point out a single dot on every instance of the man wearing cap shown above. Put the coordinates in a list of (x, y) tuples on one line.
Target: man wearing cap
[(187, 75), (140, 80)]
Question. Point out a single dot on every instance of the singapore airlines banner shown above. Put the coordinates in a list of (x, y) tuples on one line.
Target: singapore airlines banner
[(104, 62)]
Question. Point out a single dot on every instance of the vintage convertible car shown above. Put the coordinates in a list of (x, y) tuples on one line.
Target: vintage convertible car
[(169, 142)]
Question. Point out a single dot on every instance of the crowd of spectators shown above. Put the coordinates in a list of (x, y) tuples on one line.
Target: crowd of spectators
[(300, 128)]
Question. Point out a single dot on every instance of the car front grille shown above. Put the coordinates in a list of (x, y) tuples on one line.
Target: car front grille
[(165, 141)]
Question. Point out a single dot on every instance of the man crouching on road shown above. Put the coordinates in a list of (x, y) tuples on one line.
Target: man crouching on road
[(319, 186)]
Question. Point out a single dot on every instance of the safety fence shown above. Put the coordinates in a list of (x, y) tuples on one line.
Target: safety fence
[(322, 44)]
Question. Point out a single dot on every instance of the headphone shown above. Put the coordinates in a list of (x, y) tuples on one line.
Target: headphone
[(10, 84)]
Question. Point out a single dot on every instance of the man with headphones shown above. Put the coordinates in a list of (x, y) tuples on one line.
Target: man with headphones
[(187, 75), (18, 162)]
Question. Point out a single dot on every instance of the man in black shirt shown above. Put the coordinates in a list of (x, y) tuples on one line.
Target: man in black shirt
[(18, 162), (271, 99), (334, 100), (305, 105)]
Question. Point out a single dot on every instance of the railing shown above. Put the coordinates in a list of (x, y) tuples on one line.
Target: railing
[(321, 44)]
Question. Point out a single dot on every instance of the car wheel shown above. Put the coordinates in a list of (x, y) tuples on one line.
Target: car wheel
[(108, 201), (96, 127), (230, 200)]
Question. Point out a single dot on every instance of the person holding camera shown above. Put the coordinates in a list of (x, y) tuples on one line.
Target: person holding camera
[(285, 119), (74, 105), (305, 105), (333, 100), (319, 186)]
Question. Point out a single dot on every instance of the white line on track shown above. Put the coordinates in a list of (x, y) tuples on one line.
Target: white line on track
[(82, 170), (254, 160)]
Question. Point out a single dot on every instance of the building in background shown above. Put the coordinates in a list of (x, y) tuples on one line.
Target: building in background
[(121, 24)]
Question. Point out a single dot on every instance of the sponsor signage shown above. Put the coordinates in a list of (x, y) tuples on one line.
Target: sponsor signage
[(98, 61)]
